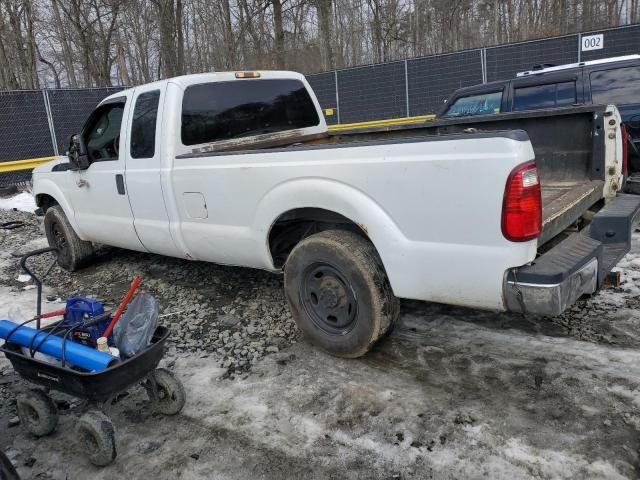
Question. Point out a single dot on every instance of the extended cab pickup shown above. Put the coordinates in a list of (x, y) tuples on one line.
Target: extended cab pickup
[(518, 214)]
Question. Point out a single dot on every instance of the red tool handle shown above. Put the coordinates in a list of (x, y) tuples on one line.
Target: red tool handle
[(55, 313), (127, 298)]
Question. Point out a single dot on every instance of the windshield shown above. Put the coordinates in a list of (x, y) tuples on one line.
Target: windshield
[(480, 104)]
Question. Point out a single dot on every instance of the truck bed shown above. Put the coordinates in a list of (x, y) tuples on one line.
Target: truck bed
[(570, 154)]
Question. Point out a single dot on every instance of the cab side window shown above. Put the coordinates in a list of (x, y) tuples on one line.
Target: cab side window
[(480, 104), (102, 133), (143, 127), (550, 95), (619, 86)]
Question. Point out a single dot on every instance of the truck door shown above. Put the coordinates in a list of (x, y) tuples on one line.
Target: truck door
[(98, 194), (143, 169)]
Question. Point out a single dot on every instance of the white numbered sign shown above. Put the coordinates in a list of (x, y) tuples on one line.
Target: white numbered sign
[(592, 42)]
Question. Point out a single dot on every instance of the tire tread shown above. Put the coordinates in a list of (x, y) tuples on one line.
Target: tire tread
[(80, 251)]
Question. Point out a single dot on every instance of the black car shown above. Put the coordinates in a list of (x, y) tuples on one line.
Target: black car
[(609, 81)]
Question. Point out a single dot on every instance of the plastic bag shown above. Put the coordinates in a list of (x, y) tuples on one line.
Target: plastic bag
[(134, 330)]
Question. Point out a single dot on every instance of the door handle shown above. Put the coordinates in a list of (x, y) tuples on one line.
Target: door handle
[(120, 183)]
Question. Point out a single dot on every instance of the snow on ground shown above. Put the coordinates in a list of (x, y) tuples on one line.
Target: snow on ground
[(452, 393), (23, 201)]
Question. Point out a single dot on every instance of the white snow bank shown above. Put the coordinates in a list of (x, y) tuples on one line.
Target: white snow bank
[(23, 201)]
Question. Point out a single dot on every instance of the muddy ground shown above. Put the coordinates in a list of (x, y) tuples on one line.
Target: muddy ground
[(452, 393)]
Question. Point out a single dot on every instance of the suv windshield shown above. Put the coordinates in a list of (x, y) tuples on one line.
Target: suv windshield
[(480, 104)]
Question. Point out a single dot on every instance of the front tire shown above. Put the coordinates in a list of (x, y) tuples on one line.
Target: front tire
[(96, 435), (73, 253), (339, 293), (37, 412)]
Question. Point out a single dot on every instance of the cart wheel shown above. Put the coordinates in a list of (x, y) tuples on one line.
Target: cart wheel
[(37, 412), (171, 396), (97, 438)]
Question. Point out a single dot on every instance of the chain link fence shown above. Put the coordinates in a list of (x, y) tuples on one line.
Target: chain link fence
[(38, 123), (419, 86), (69, 110), (24, 125)]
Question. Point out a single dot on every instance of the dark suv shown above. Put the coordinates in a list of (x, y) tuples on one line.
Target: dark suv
[(609, 81)]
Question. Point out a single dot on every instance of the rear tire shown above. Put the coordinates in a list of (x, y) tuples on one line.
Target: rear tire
[(73, 253), (170, 392), (339, 293)]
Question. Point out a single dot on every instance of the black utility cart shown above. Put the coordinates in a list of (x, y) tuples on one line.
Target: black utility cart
[(95, 431)]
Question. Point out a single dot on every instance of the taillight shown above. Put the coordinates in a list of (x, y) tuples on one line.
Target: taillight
[(625, 150), (522, 204)]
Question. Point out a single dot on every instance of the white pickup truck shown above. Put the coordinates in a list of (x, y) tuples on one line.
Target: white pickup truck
[(238, 168)]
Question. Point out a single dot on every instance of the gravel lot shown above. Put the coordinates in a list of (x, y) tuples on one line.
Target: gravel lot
[(452, 393)]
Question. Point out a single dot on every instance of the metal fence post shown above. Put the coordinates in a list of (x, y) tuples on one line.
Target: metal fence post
[(483, 64), (47, 108), (406, 85), (335, 72), (579, 46)]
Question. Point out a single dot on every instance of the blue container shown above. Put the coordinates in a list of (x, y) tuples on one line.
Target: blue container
[(80, 309)]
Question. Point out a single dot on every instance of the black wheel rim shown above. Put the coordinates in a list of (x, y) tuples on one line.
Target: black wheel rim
[(163, 394), (59, 240), (90, 441), (31, 415), (329, 299)]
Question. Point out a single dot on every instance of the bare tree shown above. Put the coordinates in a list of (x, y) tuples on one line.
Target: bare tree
[(101, 42)]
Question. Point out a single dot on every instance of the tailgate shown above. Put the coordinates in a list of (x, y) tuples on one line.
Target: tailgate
[(564, 203)]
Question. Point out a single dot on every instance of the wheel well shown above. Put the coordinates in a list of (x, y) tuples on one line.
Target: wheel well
[(45, 201), (295, 225)]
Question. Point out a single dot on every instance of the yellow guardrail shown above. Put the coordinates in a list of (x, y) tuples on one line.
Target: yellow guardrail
[(28, 164), (380, 123), (31, 163)]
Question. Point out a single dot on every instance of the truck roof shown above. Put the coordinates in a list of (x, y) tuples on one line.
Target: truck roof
[(190, 79)]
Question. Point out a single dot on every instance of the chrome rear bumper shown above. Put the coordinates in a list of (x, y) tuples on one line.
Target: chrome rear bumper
[(578, 265), (552, 299)]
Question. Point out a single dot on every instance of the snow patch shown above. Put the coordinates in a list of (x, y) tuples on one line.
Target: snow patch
[(21, 305), (621, 391), (24, 201), (550, 464)]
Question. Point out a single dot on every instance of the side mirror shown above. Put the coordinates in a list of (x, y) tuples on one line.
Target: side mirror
[(78, 152)]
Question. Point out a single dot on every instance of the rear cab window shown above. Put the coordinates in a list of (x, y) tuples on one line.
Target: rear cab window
[(549, 95), (475, 104), (225, 110), (618, 86)]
